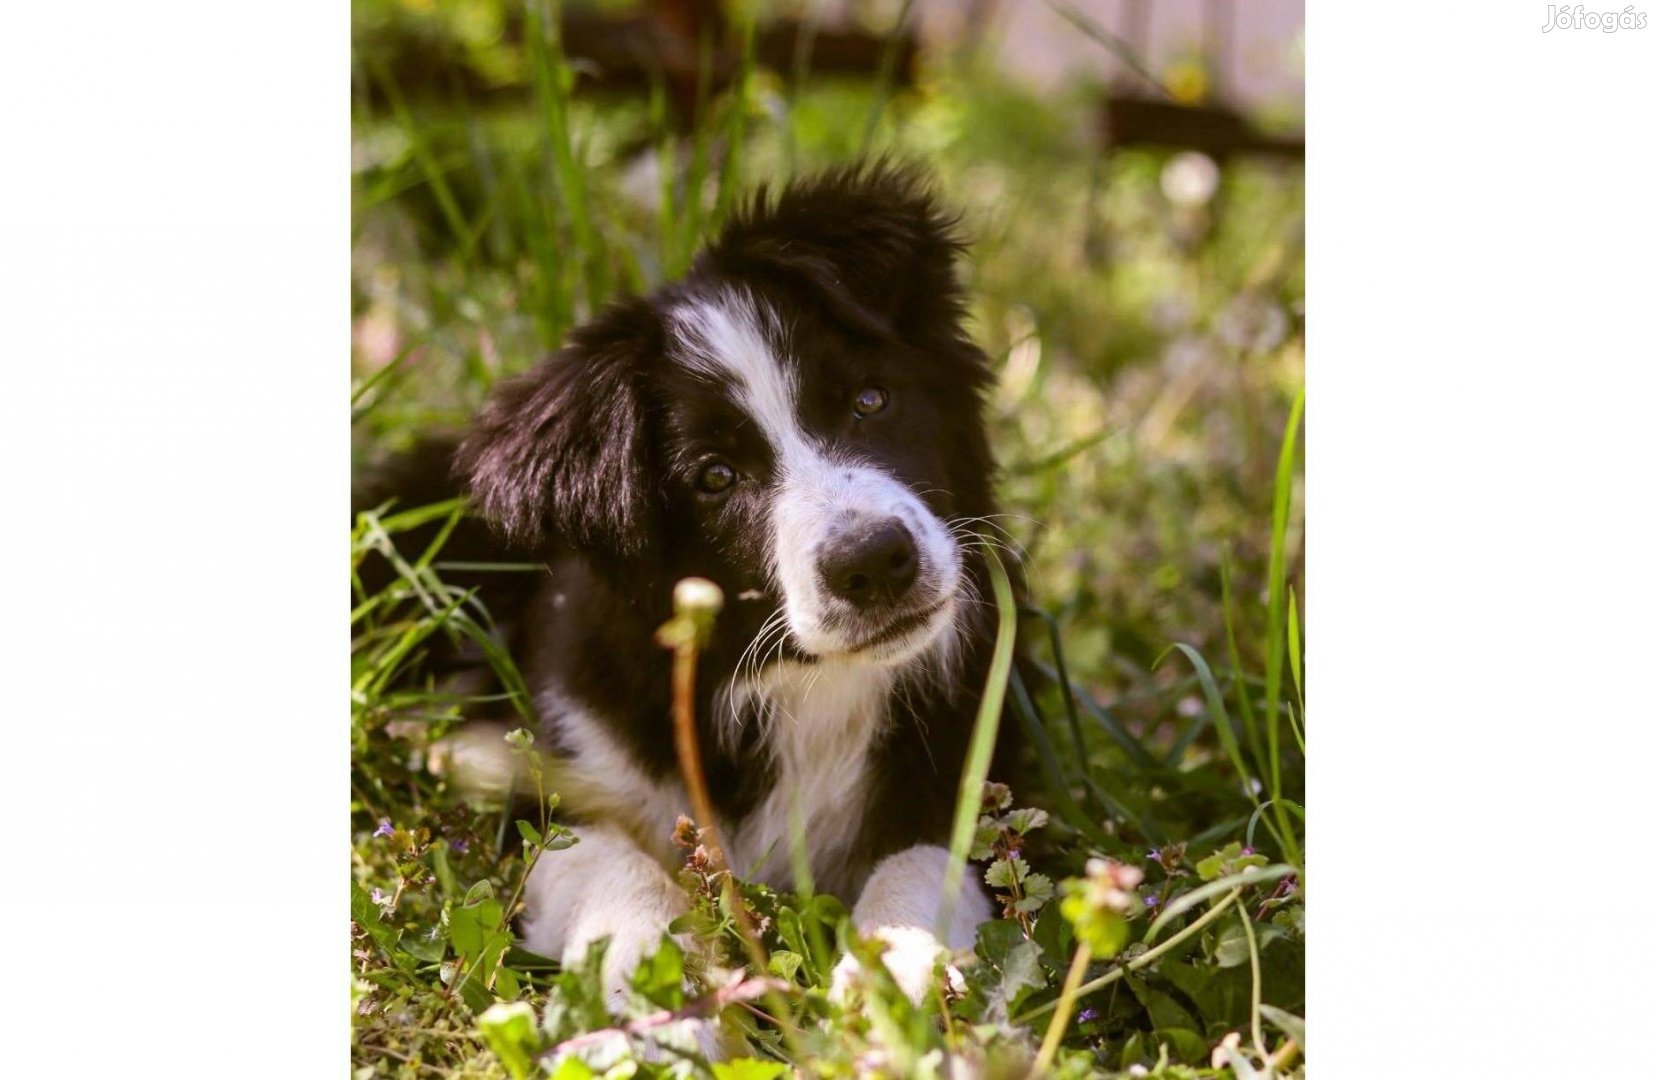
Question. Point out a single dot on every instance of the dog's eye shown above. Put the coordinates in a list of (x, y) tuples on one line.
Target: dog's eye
[(869, 400), (715, 477)]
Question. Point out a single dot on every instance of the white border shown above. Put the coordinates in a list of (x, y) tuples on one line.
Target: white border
[(174, 431), (1482, 218), (174, 436)]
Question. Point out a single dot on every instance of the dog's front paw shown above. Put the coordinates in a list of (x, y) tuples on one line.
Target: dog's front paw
[(911, 956)]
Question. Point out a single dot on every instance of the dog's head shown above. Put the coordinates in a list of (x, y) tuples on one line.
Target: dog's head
[(798, 420)]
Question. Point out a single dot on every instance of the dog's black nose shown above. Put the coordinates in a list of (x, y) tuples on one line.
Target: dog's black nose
[(872, 567)]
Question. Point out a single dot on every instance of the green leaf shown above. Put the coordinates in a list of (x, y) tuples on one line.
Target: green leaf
[(509, 1030), (1010, 969), (1227, 860), (366, 914), (1002, 873), (660, 976), (1183, 1045), (426, 949), (1037, 890), (748, 1069), (983, 843), (1026, 818), (785, 963), (1055, 937), (531, 835), (465, 931), (1103, 930), (1191, 979), (1291, 918), (1165, 1011), (697, 923), (996, 939), (1231, 948), (522, 959), (573, 1068), (1020, 973)]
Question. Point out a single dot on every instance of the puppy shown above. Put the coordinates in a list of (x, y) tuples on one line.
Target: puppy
[(798, 420)]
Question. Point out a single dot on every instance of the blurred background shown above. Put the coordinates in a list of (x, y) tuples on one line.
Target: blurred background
[(1130, 175)]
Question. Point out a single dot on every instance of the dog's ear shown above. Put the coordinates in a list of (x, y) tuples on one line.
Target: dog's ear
[(562, 451), (868, 240)]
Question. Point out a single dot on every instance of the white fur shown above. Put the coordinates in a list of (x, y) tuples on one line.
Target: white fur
[(906, 889), (600, 779), (900, 905), (604, 886), (819, 725), (818, 495), (820, 722)]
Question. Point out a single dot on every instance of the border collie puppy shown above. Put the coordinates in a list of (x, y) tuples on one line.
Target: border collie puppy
[(798, 420)]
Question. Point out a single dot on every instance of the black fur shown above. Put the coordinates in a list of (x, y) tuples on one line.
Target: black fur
[(586, 463)]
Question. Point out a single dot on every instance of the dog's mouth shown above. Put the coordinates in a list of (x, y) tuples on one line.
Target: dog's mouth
[(903, 626)]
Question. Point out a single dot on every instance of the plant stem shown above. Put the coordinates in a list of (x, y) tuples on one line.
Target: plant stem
[(1060, 1018), (1145, 959), (689, 751), (685, 650), (1253, 1002)]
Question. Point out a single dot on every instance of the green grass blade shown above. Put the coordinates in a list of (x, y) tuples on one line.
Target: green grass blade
[(969, 799), (1221, 715), (1135, 750), (804, 45), (423, 156), (1046, 756), (1275, 619), (1253, 875), (554, 81), (1065, 686), (882, 80), (730, 173), (1244, 699), (1295, 657), (384, 374)]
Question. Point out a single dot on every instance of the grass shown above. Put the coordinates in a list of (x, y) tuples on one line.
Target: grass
[(1147, 419)]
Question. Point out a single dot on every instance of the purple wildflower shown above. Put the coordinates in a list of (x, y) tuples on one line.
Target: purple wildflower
[(458, 846), (1155, 855), (385, 828), (1247, 851), (1086, 1016), (1152, 900), (378, 897)]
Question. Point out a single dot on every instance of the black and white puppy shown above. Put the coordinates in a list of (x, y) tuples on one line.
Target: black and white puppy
[(798, 420)]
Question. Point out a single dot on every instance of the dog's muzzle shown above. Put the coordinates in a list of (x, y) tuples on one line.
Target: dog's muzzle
[(872, 568)]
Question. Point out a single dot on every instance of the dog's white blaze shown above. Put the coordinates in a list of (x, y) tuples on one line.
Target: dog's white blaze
[(731, 338), (820, 719)]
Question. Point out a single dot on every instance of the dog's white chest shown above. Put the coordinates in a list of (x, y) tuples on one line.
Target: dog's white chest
[(821, 723)]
